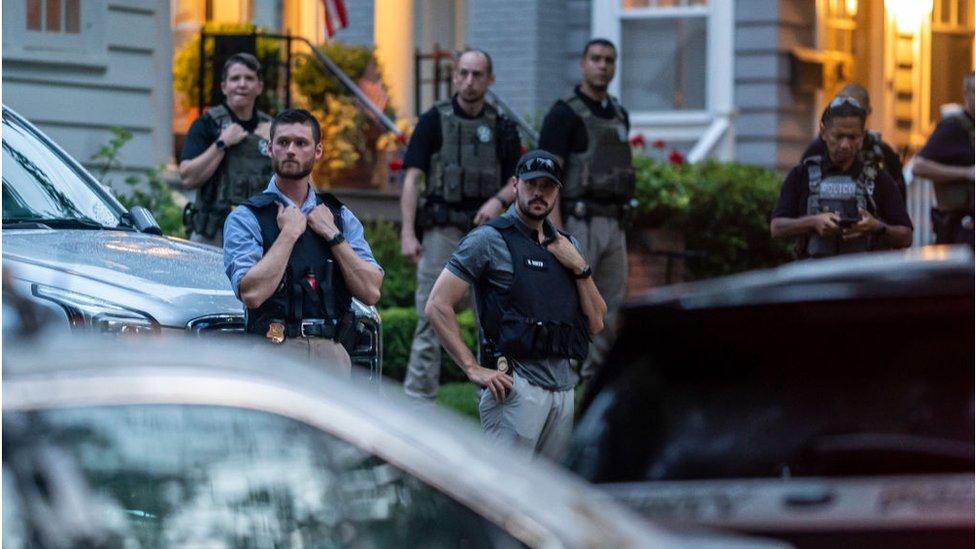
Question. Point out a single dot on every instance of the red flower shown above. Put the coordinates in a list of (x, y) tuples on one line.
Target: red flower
[(659, 144), (675, 157), (396, 164), (637, 141), (401, 138)]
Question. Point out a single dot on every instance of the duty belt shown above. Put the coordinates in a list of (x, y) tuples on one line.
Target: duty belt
[(585, 209), (313, 327)]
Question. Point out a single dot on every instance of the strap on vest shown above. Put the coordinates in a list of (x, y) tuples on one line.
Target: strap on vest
[(814, 172)]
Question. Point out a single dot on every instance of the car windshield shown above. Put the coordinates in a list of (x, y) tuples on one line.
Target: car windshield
[(39, 185)]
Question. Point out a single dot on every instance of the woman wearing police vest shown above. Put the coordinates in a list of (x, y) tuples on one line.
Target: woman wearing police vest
[(837, 205), (537, 305)]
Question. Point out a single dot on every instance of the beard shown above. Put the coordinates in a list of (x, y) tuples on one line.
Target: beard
[(525, 206), (292, 169)]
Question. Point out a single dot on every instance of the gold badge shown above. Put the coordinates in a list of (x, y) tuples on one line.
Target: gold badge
[(502, 364), (276, 333)]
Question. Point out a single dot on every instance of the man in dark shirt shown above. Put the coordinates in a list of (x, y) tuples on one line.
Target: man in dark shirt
[(464, 151), (874, 153), (587, 131), (833, 205), (225, 155), (948, 160)]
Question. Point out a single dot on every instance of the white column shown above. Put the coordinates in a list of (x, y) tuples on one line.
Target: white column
[(393, 31)]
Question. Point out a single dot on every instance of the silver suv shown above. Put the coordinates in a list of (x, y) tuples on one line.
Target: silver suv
[(71, 247)]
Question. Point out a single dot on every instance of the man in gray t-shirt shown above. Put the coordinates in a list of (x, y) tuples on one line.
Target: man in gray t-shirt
[(537, 305)]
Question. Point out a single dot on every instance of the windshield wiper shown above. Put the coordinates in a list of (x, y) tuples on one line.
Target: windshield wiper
[(57, 223)]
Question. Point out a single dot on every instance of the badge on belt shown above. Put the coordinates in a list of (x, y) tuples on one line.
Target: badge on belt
[(502, 364), (276, 333)]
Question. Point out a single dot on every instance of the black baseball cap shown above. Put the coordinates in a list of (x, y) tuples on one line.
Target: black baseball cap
[(538, 163)]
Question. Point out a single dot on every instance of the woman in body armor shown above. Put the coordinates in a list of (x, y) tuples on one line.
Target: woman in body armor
[(835, 204)]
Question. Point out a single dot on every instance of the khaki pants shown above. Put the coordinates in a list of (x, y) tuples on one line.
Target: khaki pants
[(319, 353), (605, 248), (530, 417), (424, 367)]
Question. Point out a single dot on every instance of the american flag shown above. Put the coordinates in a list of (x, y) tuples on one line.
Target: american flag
[(335, 16)]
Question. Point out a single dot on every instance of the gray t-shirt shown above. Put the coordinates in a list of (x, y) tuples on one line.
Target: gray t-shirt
[(483, 256)]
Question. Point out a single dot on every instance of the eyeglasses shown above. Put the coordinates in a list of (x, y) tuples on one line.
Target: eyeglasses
[(842, 100)]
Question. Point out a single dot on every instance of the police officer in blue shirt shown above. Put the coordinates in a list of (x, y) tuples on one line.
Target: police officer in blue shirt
[(296, 258)]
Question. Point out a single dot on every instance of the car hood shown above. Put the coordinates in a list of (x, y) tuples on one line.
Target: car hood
[(173, 280)]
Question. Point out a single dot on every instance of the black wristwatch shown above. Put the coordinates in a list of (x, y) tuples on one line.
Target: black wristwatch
[(336, 240), (221, 145), (587, 272)]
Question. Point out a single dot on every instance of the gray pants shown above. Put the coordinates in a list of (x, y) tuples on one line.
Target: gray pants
[(217, 240), (319, 353), (424, 368), (605, 248), (530, 417)]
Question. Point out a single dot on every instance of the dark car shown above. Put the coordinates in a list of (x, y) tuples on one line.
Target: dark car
[(828, 403)]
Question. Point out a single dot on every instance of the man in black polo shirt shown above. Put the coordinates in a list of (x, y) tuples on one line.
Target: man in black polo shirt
[(948, 159), (587, 131), (466, 150), (833, 205)]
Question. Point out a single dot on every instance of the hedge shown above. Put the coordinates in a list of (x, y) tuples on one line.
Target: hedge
[(399, 324)]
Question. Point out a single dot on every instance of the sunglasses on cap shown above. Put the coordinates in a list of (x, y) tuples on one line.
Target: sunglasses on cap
[(538, 164), (842, 100)]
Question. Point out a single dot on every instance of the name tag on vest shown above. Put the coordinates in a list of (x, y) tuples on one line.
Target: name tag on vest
[(535, 264)]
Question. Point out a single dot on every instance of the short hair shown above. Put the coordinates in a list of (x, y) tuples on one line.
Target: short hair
[(469, 49), (857, 91), (843, 106), (297, 116), (245, 59), (598, 42)]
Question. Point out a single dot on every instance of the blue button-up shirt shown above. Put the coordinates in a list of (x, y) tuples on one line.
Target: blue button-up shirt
[(243, 243)]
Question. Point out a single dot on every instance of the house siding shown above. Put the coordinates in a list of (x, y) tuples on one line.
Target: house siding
[(123, 77)]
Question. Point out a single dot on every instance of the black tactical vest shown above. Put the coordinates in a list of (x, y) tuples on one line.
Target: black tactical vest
[(244, 171), (842, 195), (604, 171), (465, 170), (539, 316), (957, 196), (297, 298)]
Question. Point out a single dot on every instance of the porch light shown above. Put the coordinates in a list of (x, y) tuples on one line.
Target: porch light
[(851, 6), (909, 14)]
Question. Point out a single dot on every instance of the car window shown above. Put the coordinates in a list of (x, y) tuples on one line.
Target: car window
[(38, 184), (182, 476)]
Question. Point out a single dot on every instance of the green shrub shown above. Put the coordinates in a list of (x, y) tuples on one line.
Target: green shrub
[(721, 208), (400, 275), (399, 324)]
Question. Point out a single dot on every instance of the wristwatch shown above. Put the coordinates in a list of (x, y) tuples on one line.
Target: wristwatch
[(221, 145), (336, 240), (587, 272)]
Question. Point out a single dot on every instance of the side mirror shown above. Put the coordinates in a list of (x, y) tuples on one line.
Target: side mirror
[(144, 221)]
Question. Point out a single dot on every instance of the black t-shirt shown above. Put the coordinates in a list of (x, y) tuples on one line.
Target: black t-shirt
[(427, 140), (204, 131), (792, 201), (563, 131), (950, 143), (892, 162)]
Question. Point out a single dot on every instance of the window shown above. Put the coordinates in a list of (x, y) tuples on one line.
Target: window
[(191, 476), (54, 16)]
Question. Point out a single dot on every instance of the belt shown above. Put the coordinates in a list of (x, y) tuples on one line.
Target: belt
[(586, 209), (313, 327)]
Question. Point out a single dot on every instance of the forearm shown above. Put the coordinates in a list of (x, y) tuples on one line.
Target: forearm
[(442, 318), (938, 172), (785, 227), (408, 200), (898, 236), (363, 279), (196, 171), (592, 304), (260, 282)]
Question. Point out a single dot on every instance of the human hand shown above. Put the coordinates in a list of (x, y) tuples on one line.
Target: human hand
[(291, 222), (867, 225), (232, 134), (410, 247), (497, 382), (489, 210), (321, 220), (567, 254), (826, 224)]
